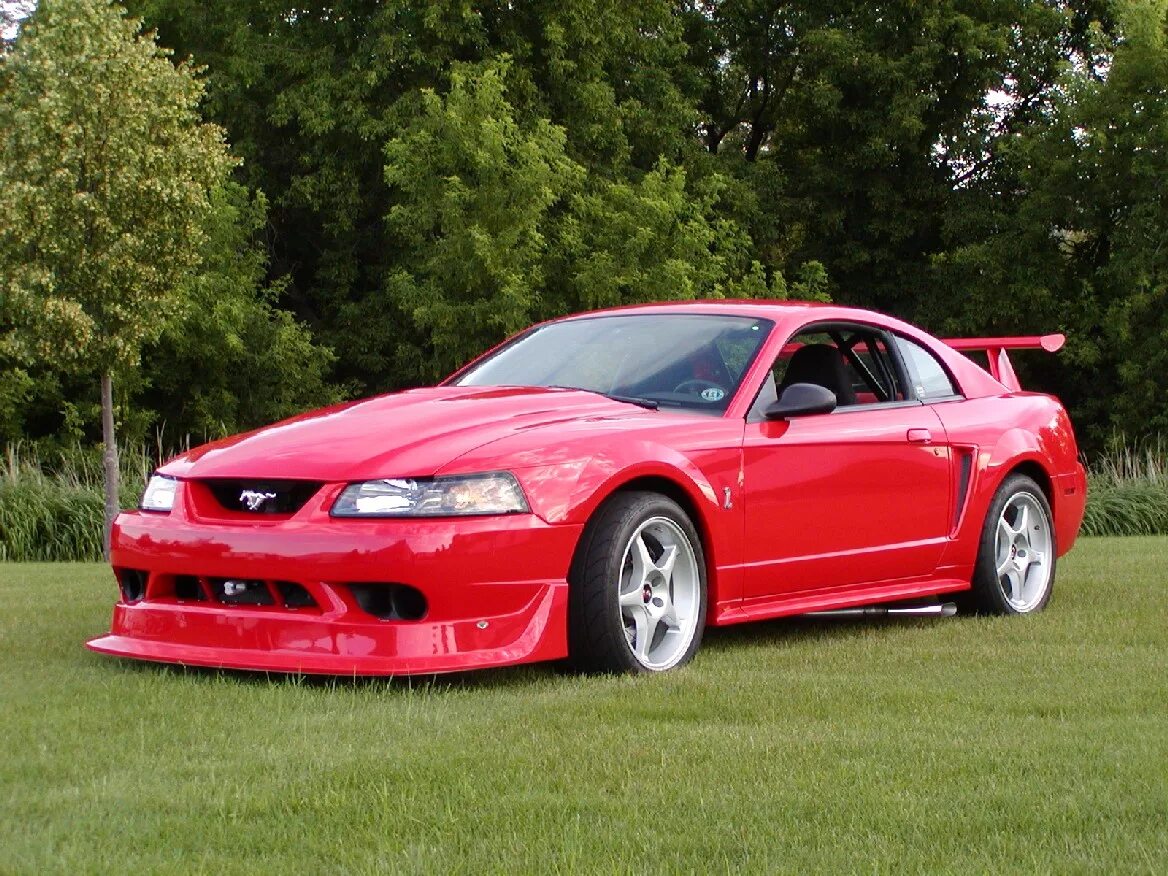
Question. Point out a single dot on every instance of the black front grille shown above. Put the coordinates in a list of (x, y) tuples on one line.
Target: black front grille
[(262, 497)]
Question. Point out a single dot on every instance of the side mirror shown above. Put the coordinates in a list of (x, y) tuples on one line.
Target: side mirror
[(801, 399)]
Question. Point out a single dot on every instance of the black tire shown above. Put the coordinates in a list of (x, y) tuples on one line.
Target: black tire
[(602, 634), (1015, 592)]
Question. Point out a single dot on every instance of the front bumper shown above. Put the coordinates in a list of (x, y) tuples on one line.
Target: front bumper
[(495, 592)]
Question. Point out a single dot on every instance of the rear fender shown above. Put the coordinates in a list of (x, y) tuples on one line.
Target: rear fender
[(1015, 448)]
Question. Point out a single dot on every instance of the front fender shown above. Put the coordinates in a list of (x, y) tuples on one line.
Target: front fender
[(567, 480), (606, 474)]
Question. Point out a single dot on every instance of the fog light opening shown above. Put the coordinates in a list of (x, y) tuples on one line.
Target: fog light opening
[(132, 583), (187, 589), (408, 603), (294, 595)]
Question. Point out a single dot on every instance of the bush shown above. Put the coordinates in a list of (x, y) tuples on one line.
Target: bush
[(1126, 508), (51, 509), (1127, 492)]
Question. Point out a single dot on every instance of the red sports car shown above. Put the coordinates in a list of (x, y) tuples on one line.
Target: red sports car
[(601, 488)]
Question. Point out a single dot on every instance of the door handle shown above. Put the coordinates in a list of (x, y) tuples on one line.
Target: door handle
[(919, 436)]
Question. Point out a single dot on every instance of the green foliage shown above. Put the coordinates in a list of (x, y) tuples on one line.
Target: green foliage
[(1126, 509), (231, 358), (1065, 225), (652, 239), (1128, 492), (120, 233), (497, 226), (472, 189), (51, 506), (105, 175), (571, 97)]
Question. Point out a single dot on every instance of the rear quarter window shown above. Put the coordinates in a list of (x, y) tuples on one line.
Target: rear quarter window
[(928, 376)]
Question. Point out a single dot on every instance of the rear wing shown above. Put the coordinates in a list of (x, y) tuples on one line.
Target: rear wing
[(995, 350)]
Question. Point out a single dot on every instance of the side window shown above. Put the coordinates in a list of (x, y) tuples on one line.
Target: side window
[(876, 375), (928, 376), (853, 361)]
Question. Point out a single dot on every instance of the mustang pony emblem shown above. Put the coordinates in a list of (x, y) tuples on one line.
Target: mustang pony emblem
[(254, 500)]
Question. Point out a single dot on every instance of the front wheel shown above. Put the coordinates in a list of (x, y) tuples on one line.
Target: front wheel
[(637, 587), (1016, 558)]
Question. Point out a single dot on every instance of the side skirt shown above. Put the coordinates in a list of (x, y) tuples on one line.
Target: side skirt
[(800, 603)]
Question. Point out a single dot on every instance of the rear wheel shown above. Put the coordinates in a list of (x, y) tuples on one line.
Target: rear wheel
[(1016, 558), (637, 587)]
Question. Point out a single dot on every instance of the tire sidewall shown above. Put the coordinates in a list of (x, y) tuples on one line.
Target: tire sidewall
[(625, 513), (987, 589)]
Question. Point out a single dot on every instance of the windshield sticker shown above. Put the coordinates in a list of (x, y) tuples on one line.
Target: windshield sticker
[(713, 394)]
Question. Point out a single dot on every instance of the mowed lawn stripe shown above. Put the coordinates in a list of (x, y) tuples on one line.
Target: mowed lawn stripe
[(966, 745)]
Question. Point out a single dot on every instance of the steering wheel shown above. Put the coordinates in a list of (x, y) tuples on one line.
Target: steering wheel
[(697, 386)]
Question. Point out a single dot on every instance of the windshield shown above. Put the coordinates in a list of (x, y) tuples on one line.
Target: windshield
[(681, 360)]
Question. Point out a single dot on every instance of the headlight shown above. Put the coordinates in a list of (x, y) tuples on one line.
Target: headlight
[(159, 495), (495, 493)]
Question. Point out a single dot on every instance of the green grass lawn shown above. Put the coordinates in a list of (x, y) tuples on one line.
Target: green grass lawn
[(971, 745)]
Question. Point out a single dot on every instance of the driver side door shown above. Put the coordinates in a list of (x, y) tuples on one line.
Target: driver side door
[(855, 496)]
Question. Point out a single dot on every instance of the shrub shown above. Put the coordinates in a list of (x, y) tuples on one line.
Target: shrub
[(51, 509), (1127, 492)]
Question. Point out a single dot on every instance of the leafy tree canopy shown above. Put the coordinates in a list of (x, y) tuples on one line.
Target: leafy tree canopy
[(436, 174), (105, 179)]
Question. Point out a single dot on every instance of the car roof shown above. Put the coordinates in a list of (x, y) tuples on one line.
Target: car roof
[(721, 306), (974, 380), (778, 311)]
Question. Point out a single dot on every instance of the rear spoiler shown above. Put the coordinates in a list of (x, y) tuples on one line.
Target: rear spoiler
[(995, 350)]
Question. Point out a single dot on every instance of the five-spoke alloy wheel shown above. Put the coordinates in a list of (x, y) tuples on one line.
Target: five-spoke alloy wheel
[(1016, 559), (637, 598)]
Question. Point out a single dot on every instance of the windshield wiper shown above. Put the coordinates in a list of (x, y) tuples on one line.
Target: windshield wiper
[(646, 403)]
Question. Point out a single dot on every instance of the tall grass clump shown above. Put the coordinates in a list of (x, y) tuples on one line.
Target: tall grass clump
[(1128, 490), (51, 507)]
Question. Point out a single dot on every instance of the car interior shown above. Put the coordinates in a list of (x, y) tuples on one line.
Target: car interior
[(852, 361)]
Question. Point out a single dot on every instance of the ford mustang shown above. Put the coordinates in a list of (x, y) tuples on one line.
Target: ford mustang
[(601, 488)]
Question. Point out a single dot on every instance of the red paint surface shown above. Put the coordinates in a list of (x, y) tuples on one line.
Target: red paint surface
[(846, 508)]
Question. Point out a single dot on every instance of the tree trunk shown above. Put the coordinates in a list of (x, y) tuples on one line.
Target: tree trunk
[(109, 458)]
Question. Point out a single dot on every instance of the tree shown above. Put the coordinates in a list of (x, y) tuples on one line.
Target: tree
[(312, 92), (900, 155), (496, 226), (106, 174), (658, 237), (1067, 229), (472, 191), (230, 358)]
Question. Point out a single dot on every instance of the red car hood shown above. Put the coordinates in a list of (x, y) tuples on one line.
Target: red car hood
[(414, 433)]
